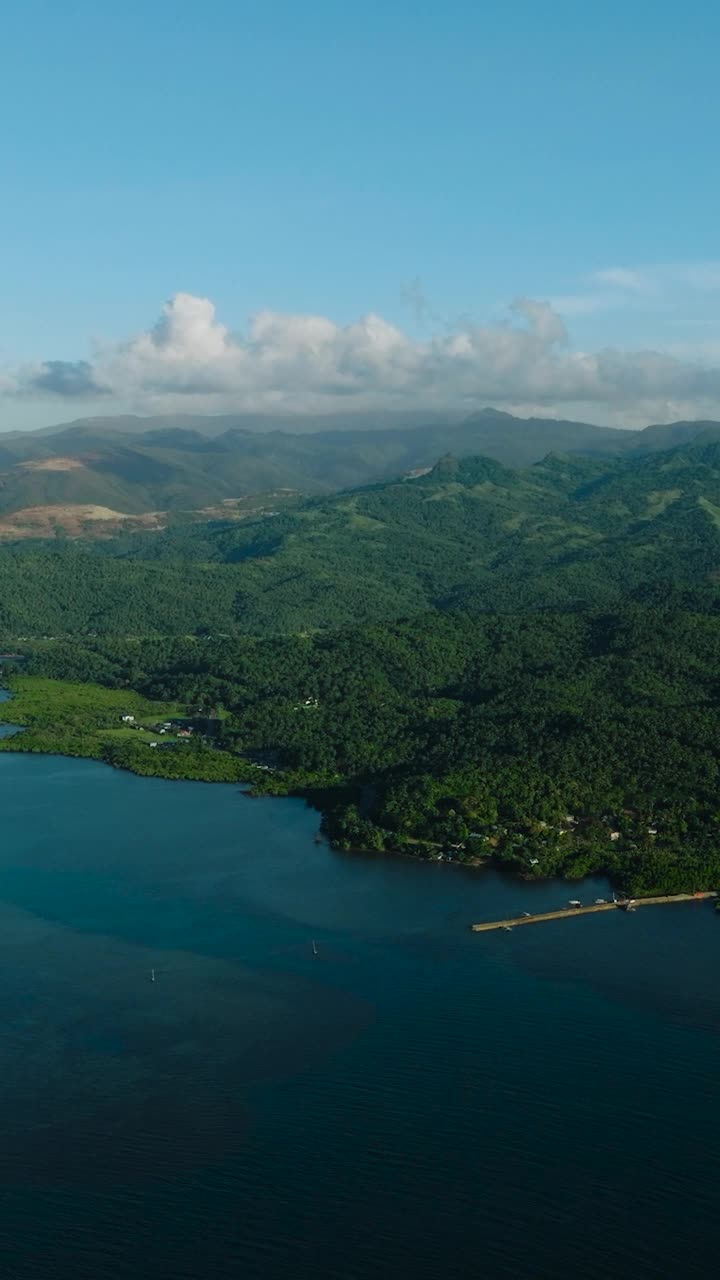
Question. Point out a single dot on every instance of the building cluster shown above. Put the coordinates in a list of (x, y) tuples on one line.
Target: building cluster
[(181, 729)]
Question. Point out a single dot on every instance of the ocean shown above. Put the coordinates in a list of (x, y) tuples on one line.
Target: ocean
[(411, 1100)]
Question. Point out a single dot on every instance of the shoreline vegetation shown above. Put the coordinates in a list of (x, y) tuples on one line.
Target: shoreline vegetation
[(119, 728)]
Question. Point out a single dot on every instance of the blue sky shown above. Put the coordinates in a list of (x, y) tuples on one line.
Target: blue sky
[(424, 163)]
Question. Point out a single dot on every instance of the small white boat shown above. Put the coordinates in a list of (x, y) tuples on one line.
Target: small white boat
[(527, 914), (507, 928), (574, 903), (600, 901)]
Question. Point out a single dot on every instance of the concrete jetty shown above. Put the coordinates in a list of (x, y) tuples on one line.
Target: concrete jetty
[(624, 904)]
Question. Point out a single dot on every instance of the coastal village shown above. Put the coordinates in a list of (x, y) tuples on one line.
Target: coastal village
[(527, 844), (529, 848)]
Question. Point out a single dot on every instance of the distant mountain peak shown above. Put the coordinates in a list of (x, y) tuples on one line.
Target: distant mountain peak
[(489, 412), (446, 465)]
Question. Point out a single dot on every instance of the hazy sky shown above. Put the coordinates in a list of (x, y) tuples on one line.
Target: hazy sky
[(283, 204)]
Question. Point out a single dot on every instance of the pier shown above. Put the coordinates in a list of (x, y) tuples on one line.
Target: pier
[(565, 913)]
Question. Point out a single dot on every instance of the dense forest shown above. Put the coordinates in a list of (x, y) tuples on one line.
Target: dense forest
[(479, 664)]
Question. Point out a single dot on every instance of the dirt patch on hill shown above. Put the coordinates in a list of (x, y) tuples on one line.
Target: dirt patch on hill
[(88, 520), (75, 521), (52, 464)]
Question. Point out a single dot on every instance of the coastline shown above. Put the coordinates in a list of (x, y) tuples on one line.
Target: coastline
[(82, 721)]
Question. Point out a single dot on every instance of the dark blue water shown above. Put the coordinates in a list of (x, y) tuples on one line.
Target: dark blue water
[(415, 1100)]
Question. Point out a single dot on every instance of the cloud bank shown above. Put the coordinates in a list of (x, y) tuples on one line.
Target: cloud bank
[(190, 361)]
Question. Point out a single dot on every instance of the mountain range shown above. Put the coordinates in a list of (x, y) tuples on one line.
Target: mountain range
[(567, 533), (95, 471)]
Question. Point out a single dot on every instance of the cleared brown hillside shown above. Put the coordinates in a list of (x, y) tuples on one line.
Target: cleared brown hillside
[(53, 464), (75, 521), (89, 520)]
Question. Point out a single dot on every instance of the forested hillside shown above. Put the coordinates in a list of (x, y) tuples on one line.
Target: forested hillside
[(471, 534)]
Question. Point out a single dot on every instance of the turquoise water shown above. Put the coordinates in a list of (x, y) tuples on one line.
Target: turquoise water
[(414, 1100)]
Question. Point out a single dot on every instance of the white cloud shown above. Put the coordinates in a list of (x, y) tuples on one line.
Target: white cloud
[(622, 278), (661, 278), (570, 305), (190, 360), (653, 290)]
